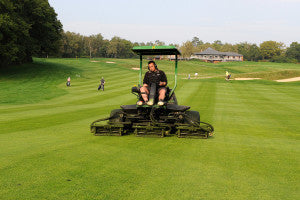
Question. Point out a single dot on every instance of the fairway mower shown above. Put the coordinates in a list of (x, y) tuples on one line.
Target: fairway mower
[(154, 120)]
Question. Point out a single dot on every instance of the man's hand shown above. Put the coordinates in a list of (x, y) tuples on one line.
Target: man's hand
[(162, 83)]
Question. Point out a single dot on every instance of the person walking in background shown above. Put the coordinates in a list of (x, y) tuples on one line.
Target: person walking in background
[(102, 82), (227, 76), (69, 81)]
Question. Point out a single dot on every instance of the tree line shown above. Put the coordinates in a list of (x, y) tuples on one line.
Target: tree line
[(76, 45), (268, 50), (31, 28)]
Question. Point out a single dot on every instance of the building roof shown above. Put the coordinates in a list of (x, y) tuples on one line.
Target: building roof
[(231, 54), (211, 51)]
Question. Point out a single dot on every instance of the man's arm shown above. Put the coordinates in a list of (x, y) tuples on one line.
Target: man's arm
[(163, 80), (146, 80)]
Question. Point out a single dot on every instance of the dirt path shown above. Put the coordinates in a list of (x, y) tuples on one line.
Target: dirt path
[(289, 79)]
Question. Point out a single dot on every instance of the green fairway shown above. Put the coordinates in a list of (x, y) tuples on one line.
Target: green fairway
[(47, 151)]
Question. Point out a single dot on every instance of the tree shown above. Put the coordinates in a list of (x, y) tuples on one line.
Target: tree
[(228, 48), (14, 34), (217, 45), (269, 49), (73, 44), (196, 41), (159, 43), (187, 49), (27, 28), (294, 51), (120, 48), (249, 51)]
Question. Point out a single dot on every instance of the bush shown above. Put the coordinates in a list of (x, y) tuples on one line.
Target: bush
[(283, 59)]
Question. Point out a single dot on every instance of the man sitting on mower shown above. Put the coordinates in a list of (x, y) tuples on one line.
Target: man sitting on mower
[(157, 77)]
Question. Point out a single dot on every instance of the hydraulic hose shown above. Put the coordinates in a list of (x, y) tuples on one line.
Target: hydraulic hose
[(198, 124)]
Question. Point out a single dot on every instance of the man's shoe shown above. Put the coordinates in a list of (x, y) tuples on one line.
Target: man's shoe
[(139, 103), (150, 103), (160, 103)]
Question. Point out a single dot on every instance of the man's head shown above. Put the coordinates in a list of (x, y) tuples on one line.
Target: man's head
[(152, 66)]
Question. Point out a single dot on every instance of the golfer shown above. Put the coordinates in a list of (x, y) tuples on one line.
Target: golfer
[(227, 76), (69, 81), (101, 86)]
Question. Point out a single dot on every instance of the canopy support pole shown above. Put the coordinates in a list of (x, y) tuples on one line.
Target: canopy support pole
[(176, 62), (140, 73)]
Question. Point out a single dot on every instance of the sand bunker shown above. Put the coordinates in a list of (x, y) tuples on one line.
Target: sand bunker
[(135, 68), (198, 77), (246, 79), (94, 61), (109, 62), (289, 79)]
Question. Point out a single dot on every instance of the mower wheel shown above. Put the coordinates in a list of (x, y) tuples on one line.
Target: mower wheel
[(192, 117), (115, 115)]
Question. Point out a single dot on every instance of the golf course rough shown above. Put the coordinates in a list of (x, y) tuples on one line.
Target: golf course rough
[(47, 151)]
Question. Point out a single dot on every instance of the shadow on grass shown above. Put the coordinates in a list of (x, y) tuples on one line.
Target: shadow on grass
[(40, 68), (33, 82)]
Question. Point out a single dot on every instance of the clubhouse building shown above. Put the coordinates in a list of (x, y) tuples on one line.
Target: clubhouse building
[(211, 55)]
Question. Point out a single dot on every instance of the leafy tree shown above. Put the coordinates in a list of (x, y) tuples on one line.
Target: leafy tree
[(159, 43), (269, 49), (202, 47), (27, 28), (73, 45), (249, 51), (120, 48), (150, 44), (228, 48), (217, 45), (187, 49), (14, 34), (197, 42), (294, 51)]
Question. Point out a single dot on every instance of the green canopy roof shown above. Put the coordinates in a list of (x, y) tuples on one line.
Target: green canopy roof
[(156, 50)]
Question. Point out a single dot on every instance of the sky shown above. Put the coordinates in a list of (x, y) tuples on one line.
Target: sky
[(176, 21)]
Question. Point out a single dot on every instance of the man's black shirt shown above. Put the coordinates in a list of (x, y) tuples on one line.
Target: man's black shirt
[(155, 77)]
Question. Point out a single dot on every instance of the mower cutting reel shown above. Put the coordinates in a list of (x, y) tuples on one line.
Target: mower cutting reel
[(154, 120)]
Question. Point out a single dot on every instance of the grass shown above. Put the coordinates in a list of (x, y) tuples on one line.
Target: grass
[(47, 151)]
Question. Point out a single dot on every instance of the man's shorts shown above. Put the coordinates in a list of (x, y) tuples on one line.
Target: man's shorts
[(158, 90), (161, 88)]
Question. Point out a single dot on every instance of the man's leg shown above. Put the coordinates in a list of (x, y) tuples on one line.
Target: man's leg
[(162, 95), (145, 93)]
